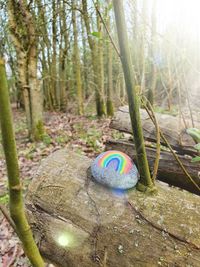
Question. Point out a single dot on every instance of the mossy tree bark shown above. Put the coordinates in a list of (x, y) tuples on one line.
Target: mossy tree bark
[(23, 33), (45, 55), (77, 63), (100, 63), (15, 187), (85, 61), (100, 105), (63, 56), (153, 71), (109, 102), (142, 46), (53, 67), (133, 98)]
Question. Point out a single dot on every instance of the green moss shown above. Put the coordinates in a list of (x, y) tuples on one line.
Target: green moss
[(110, 108), (4, 199), (116, 135), (149, 190), (40, 127), (62, 139), (101, 109), (46, 139), (38, 131), (173, 111)]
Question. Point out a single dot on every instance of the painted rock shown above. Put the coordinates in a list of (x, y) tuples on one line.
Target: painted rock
[(115, 169)]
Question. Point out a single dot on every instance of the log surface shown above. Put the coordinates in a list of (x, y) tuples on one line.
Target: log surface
[(105, 228), (169, 170), (173, 129)]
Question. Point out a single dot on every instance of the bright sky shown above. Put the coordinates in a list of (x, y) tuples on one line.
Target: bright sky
[(183, 14)]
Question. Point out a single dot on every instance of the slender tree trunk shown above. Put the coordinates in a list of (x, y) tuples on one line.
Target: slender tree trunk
[(143, 48), (45, 48), (85, 61), (136, 47), (133, 99), (53, 68), (63, 58), (100, 106), (21, 21), (36, 96), (109, 102), (153, 78), (15, 187), (100, 60), (77, 63)]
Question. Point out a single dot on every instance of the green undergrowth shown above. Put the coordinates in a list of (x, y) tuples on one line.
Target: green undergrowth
[(116, 135), (4, 199), (20, 126), (162, 110), (91, 137)]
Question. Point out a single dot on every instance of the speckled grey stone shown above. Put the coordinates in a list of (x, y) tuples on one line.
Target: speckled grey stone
[(109, 177)]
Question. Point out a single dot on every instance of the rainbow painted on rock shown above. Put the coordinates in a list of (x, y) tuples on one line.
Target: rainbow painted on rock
[(117, 160)]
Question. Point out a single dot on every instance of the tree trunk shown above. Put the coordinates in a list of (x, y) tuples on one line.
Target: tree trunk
[(64, 43), (53, 68), (153, 78), (133, 99), (26, 48), (36, 97), (100, 64), (77, 63), (16, 204), (85, 61), (45, 47), (100, 105), (109, 102), (143, 48)]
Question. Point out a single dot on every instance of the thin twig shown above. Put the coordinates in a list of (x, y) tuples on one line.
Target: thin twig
[(106, 28), (7, 216)]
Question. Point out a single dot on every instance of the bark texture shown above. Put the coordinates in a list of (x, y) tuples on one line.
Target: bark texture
[(23, 32), (169, 125), (105, 228), (96, 61)]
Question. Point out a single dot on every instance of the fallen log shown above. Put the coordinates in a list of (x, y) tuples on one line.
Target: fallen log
[(173, 129), (79, 223), (169, 170)]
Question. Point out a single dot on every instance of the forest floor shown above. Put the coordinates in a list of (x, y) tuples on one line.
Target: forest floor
[(84, 134)]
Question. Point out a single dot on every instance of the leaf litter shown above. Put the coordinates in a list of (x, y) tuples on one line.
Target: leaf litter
[(83, 134)]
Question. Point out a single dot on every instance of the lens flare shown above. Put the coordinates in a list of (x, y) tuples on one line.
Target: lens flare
[(65, 240)]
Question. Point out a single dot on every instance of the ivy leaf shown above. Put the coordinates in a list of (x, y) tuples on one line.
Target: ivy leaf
[(195, 159), (96, 34), (194, 133), (197, 146)]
